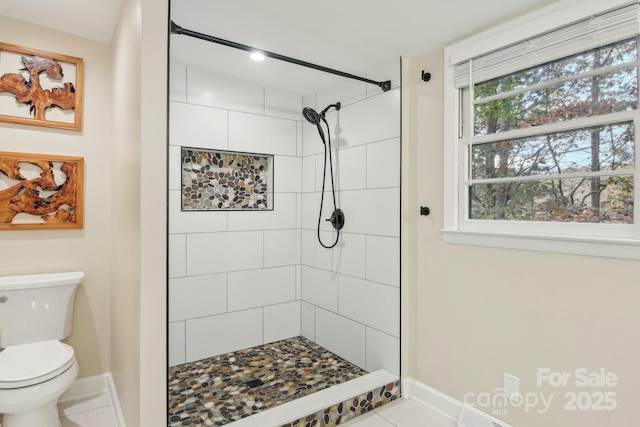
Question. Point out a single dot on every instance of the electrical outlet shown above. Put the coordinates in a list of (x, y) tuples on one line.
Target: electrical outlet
[(511, 386)]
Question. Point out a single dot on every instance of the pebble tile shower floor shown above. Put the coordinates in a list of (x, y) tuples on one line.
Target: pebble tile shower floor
[(222, 389)]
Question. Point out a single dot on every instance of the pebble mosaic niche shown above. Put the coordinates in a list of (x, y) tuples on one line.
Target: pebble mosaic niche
[(215, 180)]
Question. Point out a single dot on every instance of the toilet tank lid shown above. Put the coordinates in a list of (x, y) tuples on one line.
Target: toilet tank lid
[(31, 281)]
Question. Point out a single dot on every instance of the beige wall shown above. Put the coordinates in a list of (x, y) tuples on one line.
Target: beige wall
[(64, 250), (139, 211), (125, 215), (475, 313), (122, 247), (153, 213)]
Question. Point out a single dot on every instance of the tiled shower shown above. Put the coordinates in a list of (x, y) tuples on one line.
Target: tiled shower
[(240, 279)]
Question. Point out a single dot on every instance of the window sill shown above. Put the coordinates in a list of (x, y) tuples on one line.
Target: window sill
[(601, 247)]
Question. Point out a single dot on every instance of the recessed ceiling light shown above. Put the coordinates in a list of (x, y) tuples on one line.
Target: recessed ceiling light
[(257, 56)]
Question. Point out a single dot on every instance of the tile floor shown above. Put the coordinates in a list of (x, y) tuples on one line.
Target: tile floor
[(90, 411), (402, 413)]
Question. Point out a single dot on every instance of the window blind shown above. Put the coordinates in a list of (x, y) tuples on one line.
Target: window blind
[(598, 30)]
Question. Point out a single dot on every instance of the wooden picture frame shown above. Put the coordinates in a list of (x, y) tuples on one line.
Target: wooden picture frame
[(40, 88), (40, 191)]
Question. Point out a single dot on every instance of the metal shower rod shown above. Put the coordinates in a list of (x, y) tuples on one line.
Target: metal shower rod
[(176, 29)]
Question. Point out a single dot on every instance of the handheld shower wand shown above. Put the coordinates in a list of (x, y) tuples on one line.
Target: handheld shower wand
[(337, 217)]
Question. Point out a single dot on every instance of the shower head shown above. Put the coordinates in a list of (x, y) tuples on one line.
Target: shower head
[(311, 115), (314, 118)]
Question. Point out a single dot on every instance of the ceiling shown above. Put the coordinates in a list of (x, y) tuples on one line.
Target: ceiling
[(93, 19), (350, 35)]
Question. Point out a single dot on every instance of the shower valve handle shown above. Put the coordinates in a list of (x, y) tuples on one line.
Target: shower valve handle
[(337, 219)]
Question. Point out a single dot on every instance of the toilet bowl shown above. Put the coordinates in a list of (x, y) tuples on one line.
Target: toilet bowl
[(35, 366), (32, 378)]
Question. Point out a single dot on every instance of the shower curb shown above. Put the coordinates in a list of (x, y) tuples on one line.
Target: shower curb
[(315, 406), (351, 408)]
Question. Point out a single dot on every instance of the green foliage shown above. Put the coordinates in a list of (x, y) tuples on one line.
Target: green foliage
[(604, 148)]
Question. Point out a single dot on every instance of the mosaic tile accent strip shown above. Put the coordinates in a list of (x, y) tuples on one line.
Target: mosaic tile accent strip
[(225, 388), (224, 180), (349, 409)]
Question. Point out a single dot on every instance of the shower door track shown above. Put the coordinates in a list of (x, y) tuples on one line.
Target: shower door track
[(176, 29)]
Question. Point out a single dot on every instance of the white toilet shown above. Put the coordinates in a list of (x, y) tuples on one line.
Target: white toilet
[(36, 311)]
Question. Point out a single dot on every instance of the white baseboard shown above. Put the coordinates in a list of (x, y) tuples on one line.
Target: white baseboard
[(92, 386), (445, 405)]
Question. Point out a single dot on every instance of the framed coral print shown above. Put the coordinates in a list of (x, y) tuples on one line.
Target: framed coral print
[(40, 88), (40, 191)]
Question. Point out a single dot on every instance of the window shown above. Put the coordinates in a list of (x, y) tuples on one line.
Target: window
[(543, 136)]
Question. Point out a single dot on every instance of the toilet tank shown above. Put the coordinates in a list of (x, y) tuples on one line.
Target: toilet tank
[(37, 307)]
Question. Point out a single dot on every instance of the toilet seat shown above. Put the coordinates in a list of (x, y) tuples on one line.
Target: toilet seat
[(28, 364)]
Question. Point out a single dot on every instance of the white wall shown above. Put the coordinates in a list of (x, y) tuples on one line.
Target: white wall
[(234, 276), (354, 288)]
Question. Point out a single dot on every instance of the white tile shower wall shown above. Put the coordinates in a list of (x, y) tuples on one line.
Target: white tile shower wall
[(373, 212), (233, 268), (197, 296), (299, 138), (310, 206), (342, 336), (287, 167), (258, 288), (281, 321), (350, 169), (281, 217), (220, 91), (347, 92), (320, 288), (381, 309), (382, 171), (178, 83), (298, 282), (350, 294), (284, 105), (209, 253), (381, 252), (347, 257), (308, 243), (197, 126), (307, 320), (281, 247), (382, 351), (176, 343), (309, 174), (210, 336), (254, 134), (177, 255), (194, 221), (371, 120), (175, 178)]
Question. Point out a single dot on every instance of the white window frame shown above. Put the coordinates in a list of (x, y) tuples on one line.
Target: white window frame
[(585, 239)]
